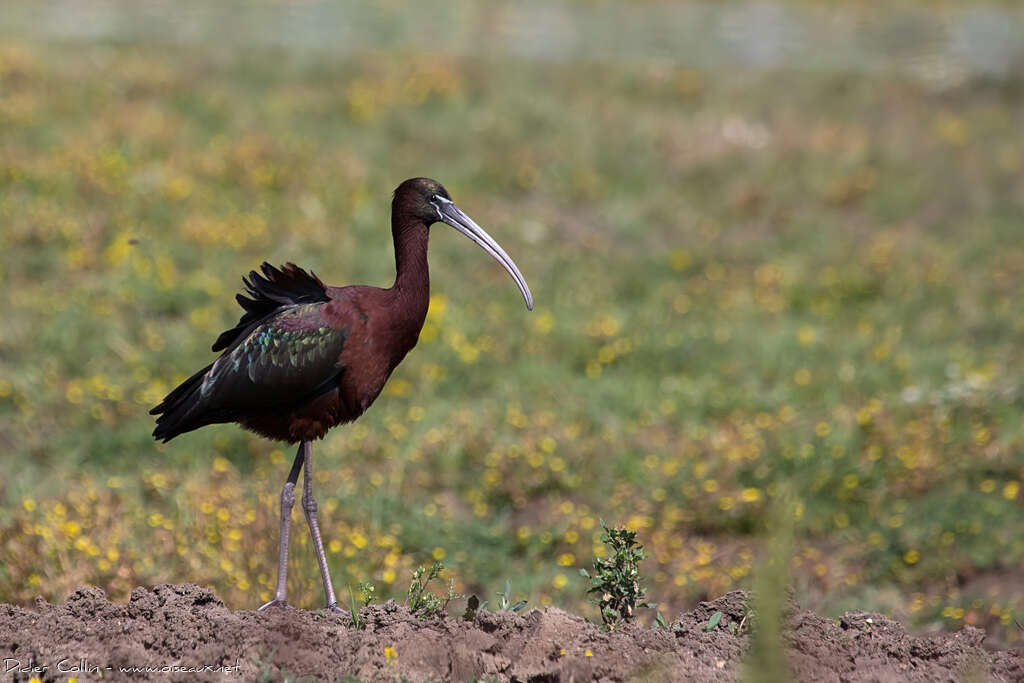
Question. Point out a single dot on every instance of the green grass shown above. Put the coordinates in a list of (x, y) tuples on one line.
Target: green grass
[(745, 281)]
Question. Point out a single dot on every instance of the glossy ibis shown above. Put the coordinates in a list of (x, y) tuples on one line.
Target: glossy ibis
[(305, 357)]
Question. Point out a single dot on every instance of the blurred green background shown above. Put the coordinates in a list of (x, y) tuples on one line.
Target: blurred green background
[(773, 247)]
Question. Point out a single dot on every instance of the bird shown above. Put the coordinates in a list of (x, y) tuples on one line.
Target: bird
[(306, 357)]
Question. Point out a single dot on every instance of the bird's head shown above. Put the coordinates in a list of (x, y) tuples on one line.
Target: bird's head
[(428, 201), (417, 196)]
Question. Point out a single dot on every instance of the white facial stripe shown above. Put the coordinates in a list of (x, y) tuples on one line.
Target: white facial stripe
[(433, 202)]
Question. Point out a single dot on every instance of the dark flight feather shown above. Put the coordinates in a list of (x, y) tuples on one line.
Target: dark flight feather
[(175, 409)]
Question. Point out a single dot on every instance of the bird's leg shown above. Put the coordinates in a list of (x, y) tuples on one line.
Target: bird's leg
[(310, 507), (287, 501)]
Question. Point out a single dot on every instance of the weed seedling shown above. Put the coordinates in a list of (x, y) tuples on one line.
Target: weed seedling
[(366, 596), (504, 603), (423, 602), (367, 593), (660, 622), (616, 579), (505, 599), (713, 621)]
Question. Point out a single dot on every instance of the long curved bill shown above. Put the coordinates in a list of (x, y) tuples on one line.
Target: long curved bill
[(455, 217)]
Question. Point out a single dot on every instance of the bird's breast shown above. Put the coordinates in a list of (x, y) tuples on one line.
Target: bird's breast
[(368, 360), (383, 328)]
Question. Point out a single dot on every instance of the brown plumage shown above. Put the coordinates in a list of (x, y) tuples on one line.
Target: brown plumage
[(306, 357)]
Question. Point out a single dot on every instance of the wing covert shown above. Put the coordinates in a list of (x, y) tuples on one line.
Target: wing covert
[(295, 352)]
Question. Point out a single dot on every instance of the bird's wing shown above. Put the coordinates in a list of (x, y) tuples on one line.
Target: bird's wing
[(288, 357), (268, 294)]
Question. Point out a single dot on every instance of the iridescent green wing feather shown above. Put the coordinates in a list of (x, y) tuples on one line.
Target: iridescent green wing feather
[(294, 354)]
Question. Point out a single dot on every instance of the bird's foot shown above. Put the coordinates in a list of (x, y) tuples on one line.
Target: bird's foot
[(334, 609), (276, 602)]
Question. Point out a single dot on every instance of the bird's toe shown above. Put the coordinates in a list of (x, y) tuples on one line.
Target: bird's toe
[(280, 603), (334, 609)]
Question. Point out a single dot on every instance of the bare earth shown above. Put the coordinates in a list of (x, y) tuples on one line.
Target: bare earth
[(188, 626)]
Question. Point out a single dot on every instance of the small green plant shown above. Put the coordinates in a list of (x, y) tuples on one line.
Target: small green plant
[(367, 593), (744, 623), (504, 603), (713, 622), (421, 601), (660, 622), (616, 579), (366, 596), (505, 600)]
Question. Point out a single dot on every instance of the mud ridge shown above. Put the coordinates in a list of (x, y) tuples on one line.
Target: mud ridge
[(185, 632)]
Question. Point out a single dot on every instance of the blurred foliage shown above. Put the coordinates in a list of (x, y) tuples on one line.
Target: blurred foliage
[(744, 281)]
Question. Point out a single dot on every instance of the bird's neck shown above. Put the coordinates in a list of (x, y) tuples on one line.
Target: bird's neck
[(412, 276)]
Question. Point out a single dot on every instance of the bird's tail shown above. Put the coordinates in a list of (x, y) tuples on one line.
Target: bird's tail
[(182, 410)]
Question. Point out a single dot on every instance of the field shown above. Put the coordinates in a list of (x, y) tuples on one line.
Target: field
[(751, 284)]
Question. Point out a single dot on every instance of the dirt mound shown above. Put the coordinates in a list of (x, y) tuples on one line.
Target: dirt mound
[(186, 633)]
